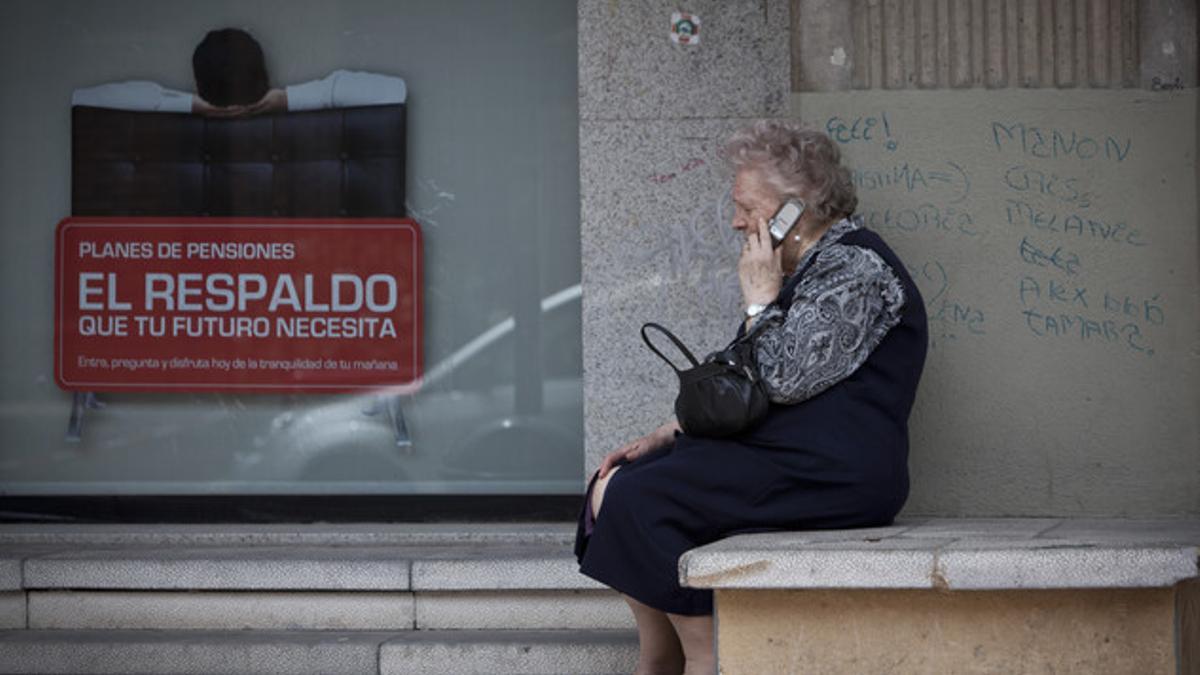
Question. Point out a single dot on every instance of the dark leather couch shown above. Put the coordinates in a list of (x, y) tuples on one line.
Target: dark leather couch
[(345, 162)]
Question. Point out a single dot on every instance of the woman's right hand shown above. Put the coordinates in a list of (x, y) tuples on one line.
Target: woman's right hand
[(760, 268), (638, 447)]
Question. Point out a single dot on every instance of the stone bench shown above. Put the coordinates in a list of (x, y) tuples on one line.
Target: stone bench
[(958, 595)]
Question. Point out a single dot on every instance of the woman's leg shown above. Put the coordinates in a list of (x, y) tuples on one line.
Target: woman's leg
[(696, 634), (659, 649)]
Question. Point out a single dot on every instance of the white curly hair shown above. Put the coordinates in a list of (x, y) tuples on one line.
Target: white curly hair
[(796, 162)]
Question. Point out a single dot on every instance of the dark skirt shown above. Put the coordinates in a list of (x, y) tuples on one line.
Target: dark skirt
[(697, 491)]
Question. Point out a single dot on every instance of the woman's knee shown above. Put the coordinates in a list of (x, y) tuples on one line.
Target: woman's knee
[(599, 489)]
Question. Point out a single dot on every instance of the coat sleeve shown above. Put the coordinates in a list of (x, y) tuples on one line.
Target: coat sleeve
[(843, 308)]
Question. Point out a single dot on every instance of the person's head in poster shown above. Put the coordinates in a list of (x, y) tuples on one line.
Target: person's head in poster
[(230, 71), (231, 80)]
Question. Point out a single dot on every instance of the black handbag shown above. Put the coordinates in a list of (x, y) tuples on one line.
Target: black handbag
[(721, 396)]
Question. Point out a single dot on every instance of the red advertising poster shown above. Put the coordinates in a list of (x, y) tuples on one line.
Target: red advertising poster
[(245, 304)]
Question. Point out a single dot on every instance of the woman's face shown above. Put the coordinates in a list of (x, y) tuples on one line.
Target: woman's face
[(753, 200)]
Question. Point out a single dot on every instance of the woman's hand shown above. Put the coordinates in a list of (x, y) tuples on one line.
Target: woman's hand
[(638, 447), (760, 269)]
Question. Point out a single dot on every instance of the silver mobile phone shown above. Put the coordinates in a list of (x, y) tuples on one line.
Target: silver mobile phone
[(784, 219)]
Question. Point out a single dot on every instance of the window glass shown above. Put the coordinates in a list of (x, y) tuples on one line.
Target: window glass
[(490, 174)]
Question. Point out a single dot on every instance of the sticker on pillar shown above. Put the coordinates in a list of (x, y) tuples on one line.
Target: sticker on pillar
[(685, 28)]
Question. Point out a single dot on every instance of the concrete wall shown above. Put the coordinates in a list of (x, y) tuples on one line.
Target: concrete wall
[(1089, 411), (1060, 281)]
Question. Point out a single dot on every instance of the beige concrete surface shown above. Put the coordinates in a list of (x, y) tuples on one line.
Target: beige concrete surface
[(534, 652), (1187, 613), (215, 610), (522, 609), (986, 554), (898, 631), (194, 652), (1045, 393), (1051, 232), (12, 609)]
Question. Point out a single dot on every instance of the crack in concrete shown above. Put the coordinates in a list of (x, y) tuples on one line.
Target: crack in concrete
[(731, 573), (937, 576)]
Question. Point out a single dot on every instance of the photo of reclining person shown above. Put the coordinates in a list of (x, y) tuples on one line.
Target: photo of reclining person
[(231, 81)]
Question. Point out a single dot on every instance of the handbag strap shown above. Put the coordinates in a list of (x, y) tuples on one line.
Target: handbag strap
[(671, 336)]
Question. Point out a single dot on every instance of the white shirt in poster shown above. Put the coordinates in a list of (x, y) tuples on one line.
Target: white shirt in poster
[(339, 89)]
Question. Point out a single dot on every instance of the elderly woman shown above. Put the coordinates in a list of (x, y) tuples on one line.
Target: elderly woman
[(840, 338)]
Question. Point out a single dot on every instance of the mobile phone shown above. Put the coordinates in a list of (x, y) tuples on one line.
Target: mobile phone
[(784, 219)]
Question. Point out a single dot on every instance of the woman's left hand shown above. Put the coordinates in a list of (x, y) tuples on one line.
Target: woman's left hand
[(760, 269)]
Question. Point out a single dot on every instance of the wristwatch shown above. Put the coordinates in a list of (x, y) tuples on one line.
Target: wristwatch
[(754, 310)]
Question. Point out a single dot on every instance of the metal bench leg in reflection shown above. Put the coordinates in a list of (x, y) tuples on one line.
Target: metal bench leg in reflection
[(81, 401), (396, 415)]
